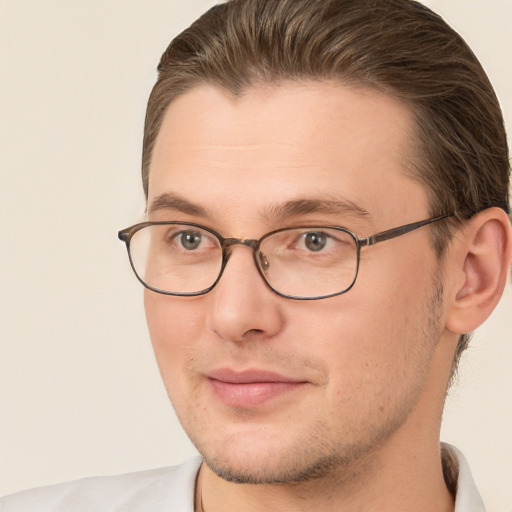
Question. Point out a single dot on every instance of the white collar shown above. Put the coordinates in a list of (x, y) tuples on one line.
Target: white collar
[(467, 497)]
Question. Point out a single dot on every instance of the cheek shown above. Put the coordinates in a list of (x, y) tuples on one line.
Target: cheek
[(375, 333), (174, 326)]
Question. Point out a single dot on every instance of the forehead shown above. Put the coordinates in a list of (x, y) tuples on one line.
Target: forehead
[(280, 143)]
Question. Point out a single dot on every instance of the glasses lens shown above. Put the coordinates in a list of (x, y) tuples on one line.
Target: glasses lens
[(309, 262), (176, 258)]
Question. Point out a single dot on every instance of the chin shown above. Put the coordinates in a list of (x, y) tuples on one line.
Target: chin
[(271, 472), (260, 459)]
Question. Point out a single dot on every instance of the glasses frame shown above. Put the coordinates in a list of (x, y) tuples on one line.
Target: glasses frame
[(125, 235)]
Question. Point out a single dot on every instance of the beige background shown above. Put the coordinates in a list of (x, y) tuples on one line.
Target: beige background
[(79, 390)]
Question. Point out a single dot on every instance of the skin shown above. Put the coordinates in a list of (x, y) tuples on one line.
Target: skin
[(358, 429)]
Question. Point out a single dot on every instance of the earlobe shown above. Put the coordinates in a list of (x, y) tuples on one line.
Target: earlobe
[(481, 256)]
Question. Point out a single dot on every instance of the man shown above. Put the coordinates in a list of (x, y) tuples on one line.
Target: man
[(327, 218)]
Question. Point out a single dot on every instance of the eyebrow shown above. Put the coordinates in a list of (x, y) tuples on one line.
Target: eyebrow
[(277, 213), (173, 202), (328, 206)]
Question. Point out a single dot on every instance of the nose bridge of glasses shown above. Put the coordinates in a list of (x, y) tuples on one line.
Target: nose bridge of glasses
[(251, 243), (248, 242), (260, 258)]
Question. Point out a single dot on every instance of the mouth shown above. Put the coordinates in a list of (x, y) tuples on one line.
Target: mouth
[(251, 388)]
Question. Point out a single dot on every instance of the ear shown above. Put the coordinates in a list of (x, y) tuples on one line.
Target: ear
[(479, 265)]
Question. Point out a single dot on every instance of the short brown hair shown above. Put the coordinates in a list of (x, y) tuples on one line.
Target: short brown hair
[(399, 47), (396, 46)]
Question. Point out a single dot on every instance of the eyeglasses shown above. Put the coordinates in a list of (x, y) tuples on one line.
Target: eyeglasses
[(303, 263)]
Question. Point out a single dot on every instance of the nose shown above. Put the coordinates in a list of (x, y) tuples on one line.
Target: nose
[(241, 306)]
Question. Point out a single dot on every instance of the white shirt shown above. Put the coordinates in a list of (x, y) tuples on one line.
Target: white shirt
[(169, 490)]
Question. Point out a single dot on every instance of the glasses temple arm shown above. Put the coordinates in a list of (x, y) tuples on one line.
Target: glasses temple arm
[(399, 231)]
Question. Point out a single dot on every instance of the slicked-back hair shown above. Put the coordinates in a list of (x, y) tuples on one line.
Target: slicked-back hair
[(398, 47)]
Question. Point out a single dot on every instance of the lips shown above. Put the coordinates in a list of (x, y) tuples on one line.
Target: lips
[(251, 388)]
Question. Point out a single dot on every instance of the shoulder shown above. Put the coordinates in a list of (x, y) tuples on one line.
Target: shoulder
[(170, 488)]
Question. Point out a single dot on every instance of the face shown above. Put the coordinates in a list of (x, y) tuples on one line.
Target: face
[(272, 389)]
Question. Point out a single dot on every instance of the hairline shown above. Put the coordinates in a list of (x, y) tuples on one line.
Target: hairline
[(411, 153)]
